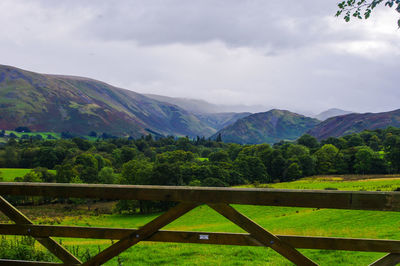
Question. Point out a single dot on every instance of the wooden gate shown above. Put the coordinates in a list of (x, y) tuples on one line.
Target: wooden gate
[(188, 198)]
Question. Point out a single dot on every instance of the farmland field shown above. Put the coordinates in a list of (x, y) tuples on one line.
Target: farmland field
[(43, 134), (366, 183), (9, 174), (279, 220)]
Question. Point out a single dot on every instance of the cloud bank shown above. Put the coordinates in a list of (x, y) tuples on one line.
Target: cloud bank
[(279, 53)]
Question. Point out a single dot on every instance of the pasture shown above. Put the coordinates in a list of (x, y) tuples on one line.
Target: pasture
[(32, 134), (9, 174)]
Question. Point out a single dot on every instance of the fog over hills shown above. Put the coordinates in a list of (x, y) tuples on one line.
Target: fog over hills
[(331, 113), (204, 107)]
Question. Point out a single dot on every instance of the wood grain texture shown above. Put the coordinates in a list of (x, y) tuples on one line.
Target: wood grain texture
[(239, 239), (356, 200), (388, 260)]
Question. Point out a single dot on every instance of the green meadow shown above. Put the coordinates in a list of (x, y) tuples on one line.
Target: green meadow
[(372, 183), (9, 174), (43, 134), (278, 220)]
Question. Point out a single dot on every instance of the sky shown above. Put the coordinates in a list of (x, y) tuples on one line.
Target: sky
[(285, 54)]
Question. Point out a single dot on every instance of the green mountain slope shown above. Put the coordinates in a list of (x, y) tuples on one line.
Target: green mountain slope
[(353, 123), (80, 105), (268, 127)]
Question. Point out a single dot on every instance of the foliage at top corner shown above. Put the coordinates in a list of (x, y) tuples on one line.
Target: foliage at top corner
[(362, 9)]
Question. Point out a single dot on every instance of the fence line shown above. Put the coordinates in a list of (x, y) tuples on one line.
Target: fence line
[(218, 199)]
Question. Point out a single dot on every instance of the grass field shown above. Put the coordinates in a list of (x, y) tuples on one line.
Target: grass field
[(9, 174), (43, 134), (278, 220)]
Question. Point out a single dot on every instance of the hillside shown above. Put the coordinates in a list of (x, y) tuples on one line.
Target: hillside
[(268, 127), (331, 113), (80, 105), (354, 123)]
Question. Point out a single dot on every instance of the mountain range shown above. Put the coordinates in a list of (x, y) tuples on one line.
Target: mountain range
[(80, 105), (353, 123)]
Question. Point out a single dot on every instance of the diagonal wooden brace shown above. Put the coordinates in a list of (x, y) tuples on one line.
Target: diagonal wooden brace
[(141, 234), (261, 235), (19, 218), (388, 260)]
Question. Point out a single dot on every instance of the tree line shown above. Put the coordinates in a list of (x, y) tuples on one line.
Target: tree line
[(202, 162)]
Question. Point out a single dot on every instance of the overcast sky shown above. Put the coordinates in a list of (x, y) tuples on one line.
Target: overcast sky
[(278, 53)]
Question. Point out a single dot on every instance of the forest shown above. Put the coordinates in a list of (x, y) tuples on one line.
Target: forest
[(200, 162)]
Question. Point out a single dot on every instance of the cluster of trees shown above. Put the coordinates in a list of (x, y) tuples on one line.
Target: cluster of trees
[(201, 162)]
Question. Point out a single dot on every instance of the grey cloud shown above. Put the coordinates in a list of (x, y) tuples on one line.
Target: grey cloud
[(287, 54), (275, 23)]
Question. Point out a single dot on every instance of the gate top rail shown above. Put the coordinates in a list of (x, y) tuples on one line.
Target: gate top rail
[(356, 200)]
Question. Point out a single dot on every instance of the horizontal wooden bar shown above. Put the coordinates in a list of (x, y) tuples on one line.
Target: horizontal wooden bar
[(358, 200), (24, 262), (391, 259), (239, 239)]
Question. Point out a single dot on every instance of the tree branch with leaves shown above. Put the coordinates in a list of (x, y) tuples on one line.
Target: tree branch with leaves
[(362, 9)]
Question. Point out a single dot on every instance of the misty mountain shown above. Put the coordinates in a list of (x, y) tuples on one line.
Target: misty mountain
[(203, 107), (331, 113), (221, 120)]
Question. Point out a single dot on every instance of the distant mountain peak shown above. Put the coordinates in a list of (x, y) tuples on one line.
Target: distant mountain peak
[(267, 127), (331, 113)]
